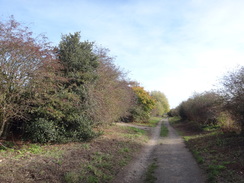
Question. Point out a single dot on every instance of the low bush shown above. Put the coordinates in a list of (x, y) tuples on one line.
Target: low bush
[(202, 108), (42, 130)]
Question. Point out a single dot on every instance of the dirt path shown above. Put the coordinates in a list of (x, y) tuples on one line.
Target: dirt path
[(175, 162), (133, 172)]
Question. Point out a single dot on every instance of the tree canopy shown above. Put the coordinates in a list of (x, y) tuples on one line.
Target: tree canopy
[(161, 104), (60, 94)]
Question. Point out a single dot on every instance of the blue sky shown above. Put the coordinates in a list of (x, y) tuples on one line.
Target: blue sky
[(175, 46)]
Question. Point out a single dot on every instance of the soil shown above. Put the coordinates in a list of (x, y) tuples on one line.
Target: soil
[(133, 172), (174, 162), (115, 149), (100, 159)]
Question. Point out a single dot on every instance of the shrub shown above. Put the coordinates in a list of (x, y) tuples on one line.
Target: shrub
[(232, 93), (79, 129), (42, 131), (227, 122), (21, 56), (173, 112), (202, 108)]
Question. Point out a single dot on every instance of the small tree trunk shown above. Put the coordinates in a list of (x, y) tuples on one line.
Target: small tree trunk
[(2, 127)]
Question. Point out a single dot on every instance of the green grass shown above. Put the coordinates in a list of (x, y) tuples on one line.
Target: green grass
[(152, 122), (213, 171), (26, 151), (137, 131), (134, 133), (164, 131), (98, 160), (197, 156), (150, 178), (71, 177), (175, 119)]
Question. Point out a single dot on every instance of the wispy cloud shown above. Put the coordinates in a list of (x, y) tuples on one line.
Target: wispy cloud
[(174, 46)]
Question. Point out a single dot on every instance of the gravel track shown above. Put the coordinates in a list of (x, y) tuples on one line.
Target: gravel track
[(175, 163)]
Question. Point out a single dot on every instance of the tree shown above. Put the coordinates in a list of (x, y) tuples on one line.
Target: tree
[(110, 96), (232, 93), (202, 108), (21, 56), (162, 104), (78, 59), (144, 104), (67, 107), (60, 111)]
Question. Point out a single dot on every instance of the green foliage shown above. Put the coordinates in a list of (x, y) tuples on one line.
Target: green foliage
[(42, 131), (35, 149), (164, 131), (59, 94), (161, 104), (6, 145), (80, 129), (59, 110), (213, 171), (175, 119), (78, 59), (137, 131), (71, 177), (144, 105), (153, 121), (197, 156), (150, 177)]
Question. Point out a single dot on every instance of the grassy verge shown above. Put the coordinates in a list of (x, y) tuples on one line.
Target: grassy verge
[(221, 155), (96, 161), (174, 120), (153, 121), (164, 131), (150, 178)]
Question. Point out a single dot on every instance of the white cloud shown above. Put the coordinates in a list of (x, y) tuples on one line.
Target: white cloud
[(175, 46)]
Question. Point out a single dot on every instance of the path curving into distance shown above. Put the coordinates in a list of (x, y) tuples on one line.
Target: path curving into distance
[(175, 163)]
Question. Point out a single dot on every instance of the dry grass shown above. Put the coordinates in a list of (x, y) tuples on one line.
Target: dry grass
[(220, 154), (96, 161)]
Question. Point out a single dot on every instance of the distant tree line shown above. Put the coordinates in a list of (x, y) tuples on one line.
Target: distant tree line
[(223, 107), (60, 94), (161, 103)]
